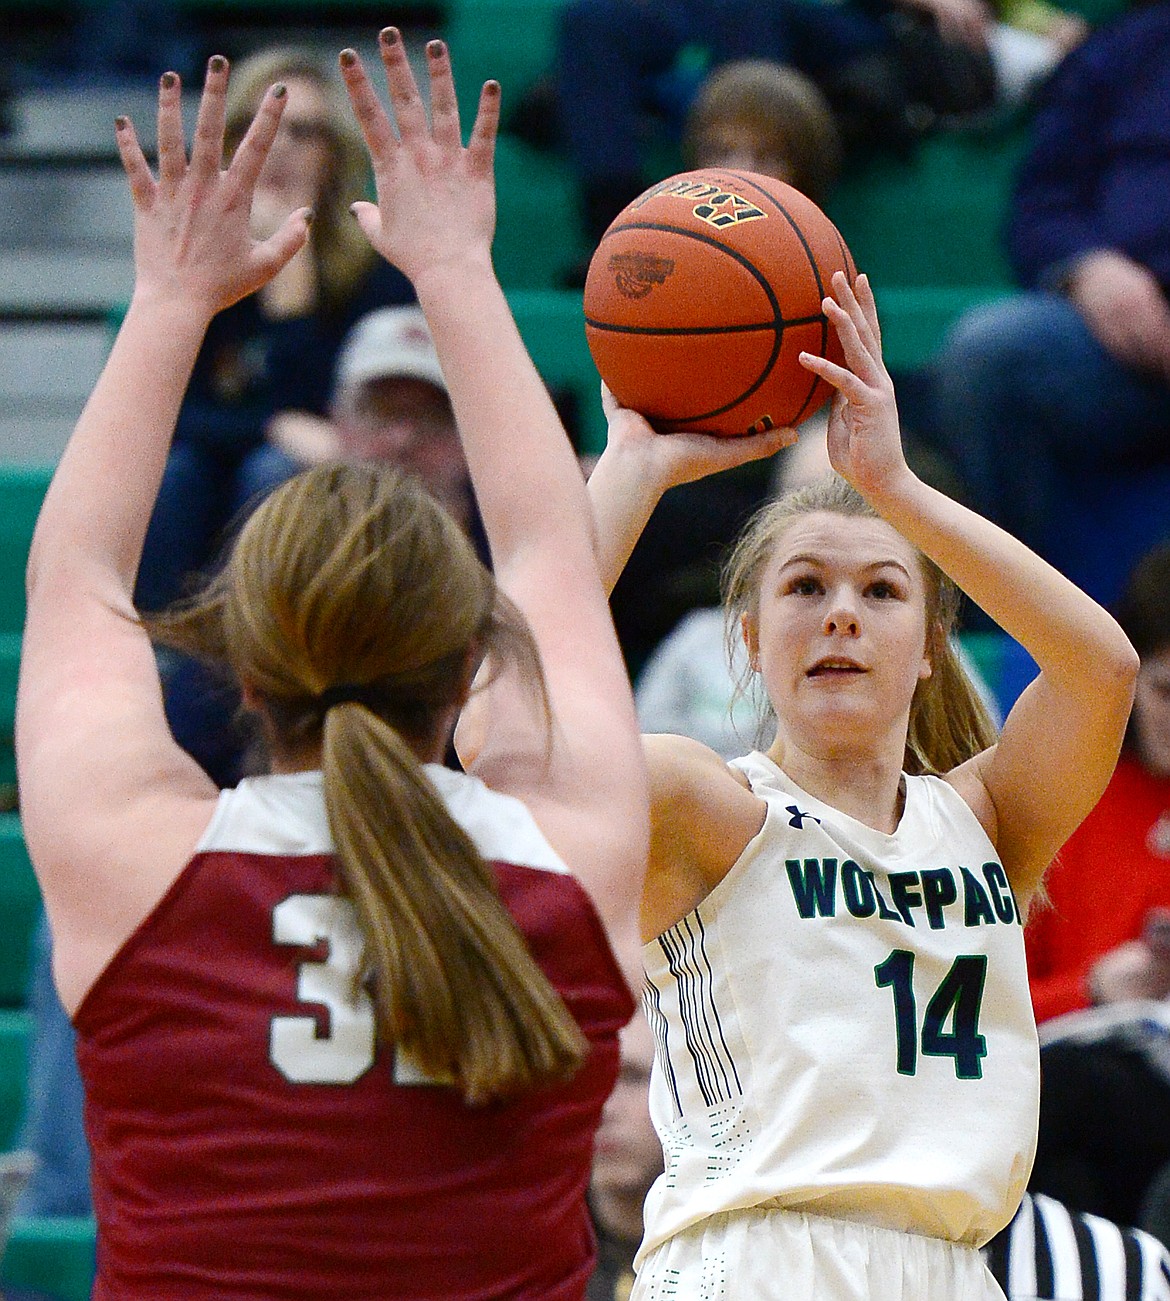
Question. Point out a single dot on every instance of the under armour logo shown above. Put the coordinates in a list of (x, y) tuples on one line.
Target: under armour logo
[(798, 817)]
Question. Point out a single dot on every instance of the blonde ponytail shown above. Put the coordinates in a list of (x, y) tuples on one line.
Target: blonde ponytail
[(354, 607), (453, 982)]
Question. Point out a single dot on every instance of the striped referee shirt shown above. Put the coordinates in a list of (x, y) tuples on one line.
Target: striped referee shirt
[(1049, 1253)]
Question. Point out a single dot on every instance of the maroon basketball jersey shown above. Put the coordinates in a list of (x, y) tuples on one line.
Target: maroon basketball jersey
[(250, 1138)]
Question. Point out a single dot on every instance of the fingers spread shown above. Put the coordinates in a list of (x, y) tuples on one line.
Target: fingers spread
[(482, 145), (172, 148), (444, 105), (207, 148), (142, 184), (367, 107), (249, 157), (409, 110)]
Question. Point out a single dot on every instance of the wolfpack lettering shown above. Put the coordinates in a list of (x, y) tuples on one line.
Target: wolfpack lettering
[(934, 897)]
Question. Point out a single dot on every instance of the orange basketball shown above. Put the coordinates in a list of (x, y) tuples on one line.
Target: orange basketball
[(701, 296)]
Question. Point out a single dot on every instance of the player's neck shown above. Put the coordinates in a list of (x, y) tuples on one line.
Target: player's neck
[(866, 787)]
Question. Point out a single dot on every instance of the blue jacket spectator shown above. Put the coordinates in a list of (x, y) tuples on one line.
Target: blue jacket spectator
[(1098, 176), (1054, 403)]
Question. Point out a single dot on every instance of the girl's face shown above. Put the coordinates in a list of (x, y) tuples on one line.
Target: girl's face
[(840, 633), (1151, 712)]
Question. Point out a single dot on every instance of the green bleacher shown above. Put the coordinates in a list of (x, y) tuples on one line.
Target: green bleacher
[(54, 1256)]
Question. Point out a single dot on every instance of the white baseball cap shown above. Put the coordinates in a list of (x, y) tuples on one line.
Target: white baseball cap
[(385, 344)]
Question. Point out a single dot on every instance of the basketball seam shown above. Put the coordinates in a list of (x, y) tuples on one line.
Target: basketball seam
[(703, 329)]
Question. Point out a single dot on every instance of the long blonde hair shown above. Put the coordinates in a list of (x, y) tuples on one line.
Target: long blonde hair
[(355, 608), (341, 253), (948, 721)]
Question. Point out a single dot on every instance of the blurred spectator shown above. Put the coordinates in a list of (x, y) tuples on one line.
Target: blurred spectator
[(763, 116), (52, 1130), (890, 72), (1081, 953), (1104, 945), (389, 404), (93, 42), (260, 391), (627, 1159), (1054, 403)]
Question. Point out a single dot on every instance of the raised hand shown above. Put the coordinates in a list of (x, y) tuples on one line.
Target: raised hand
[(864, 439), (671, 459), (436, 199), (191, 223)]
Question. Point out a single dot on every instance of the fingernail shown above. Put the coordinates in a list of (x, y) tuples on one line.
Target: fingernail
[(308, 215), (388, 35), (168, 79), (436, 49), (217, 63), (348, 58), (492, 87), (280, 90), (121, 123)]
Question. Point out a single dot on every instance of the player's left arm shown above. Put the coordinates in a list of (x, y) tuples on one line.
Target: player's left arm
[(1060, 743)]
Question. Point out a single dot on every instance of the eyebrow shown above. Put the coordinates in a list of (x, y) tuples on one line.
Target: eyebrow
[(819, 562)]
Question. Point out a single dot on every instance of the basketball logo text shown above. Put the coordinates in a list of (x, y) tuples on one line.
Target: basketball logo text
[(717, 207), (635, 274)]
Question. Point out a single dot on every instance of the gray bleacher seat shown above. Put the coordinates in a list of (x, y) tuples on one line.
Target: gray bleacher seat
[(47, 369)]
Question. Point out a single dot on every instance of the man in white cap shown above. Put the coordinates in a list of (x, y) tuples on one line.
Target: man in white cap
[(390, 404)]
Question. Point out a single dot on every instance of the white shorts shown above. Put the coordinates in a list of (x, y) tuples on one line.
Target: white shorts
[(774, 1255)]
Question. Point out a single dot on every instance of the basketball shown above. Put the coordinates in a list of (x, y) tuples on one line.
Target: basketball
[(701, 296)]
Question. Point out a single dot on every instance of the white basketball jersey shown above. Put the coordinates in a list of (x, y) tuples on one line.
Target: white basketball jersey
[(844, 1026)]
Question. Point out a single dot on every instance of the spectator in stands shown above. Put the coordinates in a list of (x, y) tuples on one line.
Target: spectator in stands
[(627, 1158), (887, 80), (52, 1129), (1080, 953), (1105, 944), (389, 404), (1054, 389), (259, 395), (764, 116)]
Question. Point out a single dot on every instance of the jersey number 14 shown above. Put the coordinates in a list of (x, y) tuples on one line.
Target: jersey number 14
[(957, 1000)]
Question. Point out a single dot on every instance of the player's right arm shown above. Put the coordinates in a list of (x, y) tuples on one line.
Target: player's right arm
[(702, 816), (584, 778), (639, 465)]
